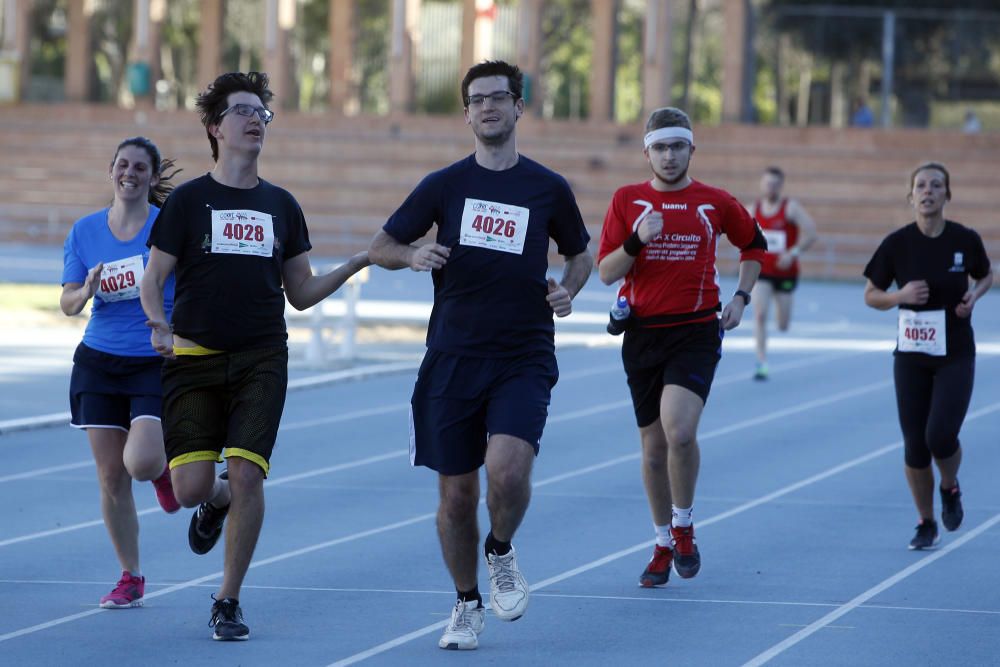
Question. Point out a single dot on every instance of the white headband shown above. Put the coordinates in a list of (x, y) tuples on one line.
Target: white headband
[(667, 133)]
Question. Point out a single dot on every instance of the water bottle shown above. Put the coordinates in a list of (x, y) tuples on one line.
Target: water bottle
[(620, 312)]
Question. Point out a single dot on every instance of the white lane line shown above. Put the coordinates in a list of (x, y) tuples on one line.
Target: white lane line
[(45, 471), (393, 643), (859, 600), (542, 594), (375, 531)]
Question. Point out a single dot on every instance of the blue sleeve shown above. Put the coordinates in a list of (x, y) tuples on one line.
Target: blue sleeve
[(415, 216), (74, 268), (567, 228)]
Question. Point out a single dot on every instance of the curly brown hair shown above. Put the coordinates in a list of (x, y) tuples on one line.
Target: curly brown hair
[(214, 100)]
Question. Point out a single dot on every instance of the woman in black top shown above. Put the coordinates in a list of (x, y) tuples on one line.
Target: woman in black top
[(940, 269)]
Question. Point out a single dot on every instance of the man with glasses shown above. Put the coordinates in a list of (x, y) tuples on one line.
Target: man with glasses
[(483, 389), (238, 246), (661, 237)]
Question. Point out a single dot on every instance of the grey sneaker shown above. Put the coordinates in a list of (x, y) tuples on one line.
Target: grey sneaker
[(508, 589), (468, 619)]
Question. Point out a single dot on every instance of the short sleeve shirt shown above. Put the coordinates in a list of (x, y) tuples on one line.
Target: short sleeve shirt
[(675, 273), (489, 298), (946, 262), (231, 245), (117, 322)]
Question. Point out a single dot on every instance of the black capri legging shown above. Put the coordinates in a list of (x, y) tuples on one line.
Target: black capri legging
[(932, 396)]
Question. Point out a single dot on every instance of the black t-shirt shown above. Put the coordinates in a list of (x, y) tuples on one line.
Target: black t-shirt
[(230, 244), (946, 262), (489, 299)]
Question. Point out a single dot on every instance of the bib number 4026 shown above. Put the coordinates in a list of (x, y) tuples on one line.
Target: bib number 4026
[(497, 226)]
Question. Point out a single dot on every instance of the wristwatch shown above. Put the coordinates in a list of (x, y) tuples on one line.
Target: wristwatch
[(745, 295)]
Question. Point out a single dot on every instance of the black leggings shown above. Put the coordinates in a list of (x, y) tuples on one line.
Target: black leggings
[(932, 395)]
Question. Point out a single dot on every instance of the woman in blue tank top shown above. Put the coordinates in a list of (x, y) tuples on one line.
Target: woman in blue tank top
[(115, 387)]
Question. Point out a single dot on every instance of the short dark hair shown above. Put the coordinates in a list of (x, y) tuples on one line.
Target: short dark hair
[(515, 78), (932, 165), (667, 117), (214, 100), (159, 166), (775, 171)]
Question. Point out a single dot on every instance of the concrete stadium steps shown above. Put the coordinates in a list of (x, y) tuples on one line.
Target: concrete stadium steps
[(349, 174)]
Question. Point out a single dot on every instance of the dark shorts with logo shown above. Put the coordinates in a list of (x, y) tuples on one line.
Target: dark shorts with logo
[(111, 391), (225, 404), (780, 284), (685, 355), (458, 402)]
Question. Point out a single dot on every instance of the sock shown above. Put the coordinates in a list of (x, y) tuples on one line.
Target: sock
[(495, 546), (469, 596), (682, 516), (137, 574), (662, 535)]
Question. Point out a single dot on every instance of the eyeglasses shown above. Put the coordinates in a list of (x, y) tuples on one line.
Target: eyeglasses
[(675, 147), (499, 97), (249, 110)]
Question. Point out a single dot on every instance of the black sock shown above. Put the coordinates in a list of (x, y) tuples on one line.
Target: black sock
[(495, 546), (469, 596)]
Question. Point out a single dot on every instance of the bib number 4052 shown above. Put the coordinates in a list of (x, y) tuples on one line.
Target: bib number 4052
[(919, 333)]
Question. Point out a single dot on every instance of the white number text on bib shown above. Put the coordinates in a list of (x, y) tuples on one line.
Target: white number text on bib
[(120, 279), (777, 239), (922, 332), (241, 232), (487, 224)]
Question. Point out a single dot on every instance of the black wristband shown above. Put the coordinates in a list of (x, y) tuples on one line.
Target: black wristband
[(633, 245)]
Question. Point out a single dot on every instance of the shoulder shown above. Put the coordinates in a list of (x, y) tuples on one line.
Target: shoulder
[(900, 235), (277, 192), (90, 221)]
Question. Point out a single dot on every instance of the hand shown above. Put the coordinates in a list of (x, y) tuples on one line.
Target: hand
[(784, 260), (559, 299), (93, 281), (161, 338), (733, 313), (964, 308), (429, 257), (650, 227), (915, 292)]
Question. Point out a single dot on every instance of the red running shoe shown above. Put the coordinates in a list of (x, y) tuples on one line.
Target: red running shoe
[(687, 560), (658, 571)]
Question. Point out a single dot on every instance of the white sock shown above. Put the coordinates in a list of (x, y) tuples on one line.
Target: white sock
[(662, 535), (682, 516)]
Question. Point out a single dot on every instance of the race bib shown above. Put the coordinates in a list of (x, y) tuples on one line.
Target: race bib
[(777, 239), (487, 224), (922, 332), (240, 232), (120, 279)]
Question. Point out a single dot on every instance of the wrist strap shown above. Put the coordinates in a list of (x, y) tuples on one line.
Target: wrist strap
[(633, 245)]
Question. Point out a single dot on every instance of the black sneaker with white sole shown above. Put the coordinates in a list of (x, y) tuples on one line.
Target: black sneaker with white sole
[(927, 535), (227, 620)]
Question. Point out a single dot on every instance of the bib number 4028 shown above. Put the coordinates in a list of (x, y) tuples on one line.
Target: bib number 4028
[(487, 224), (243, 232)]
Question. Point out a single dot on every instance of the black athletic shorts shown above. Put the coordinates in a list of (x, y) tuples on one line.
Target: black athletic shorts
[(458, 402), (112, 391), (780, 284), (685, 355), (226, 404)]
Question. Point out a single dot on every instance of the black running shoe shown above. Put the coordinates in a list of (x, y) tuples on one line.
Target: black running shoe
[(927, 535), (227, 619), (687, 559), (205, 528), (951, 507)]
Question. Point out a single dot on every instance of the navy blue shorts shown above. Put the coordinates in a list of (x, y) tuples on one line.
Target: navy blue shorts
[(685, 355), (111, 391), (458, 402)]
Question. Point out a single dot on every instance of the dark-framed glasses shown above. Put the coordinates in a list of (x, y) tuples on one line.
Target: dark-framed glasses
[(249, 110), (674, 146), (499, 97)]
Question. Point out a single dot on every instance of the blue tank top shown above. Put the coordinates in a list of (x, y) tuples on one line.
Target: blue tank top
[(117, 322)]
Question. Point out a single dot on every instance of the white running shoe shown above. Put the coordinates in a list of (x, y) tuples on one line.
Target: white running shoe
[(467, 621), (508, 589)]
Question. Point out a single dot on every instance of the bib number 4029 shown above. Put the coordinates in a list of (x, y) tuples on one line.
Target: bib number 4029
[(118, 282), (497, 226)]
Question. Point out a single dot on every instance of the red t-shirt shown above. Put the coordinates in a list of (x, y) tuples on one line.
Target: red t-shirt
[(675, 273), (782, 234)]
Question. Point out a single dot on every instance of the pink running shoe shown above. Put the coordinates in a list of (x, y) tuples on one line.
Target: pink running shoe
[(128, 593), (165, 492)]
